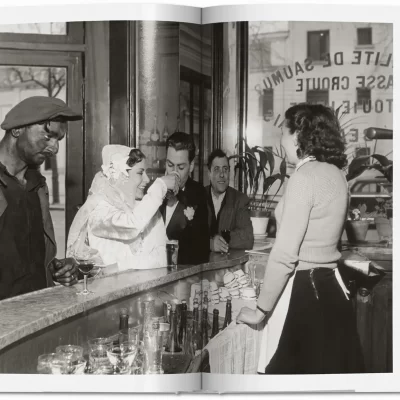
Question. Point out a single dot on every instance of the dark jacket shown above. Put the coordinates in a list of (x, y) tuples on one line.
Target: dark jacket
[(49, 239), (234, 215), (193, 235)]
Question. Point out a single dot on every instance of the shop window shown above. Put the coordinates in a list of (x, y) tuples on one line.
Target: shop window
[(318, 45), (364, 36), (363, 96), (268, 103), (318, 97)]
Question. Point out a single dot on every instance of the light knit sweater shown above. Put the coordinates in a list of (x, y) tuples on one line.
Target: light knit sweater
[(310, 220)]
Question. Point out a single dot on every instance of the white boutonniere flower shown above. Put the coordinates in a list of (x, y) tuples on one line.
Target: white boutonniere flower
[(189, 213)]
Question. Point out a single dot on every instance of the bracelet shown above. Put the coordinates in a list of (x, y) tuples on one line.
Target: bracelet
[(263, 311)]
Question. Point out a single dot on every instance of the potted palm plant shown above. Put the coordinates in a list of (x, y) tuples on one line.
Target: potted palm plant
[(256, 165)]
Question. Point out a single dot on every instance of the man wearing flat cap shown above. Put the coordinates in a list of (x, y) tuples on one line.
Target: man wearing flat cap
[(33, 128)]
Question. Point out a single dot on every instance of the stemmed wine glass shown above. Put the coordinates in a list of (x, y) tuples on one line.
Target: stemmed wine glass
[(85, 266)]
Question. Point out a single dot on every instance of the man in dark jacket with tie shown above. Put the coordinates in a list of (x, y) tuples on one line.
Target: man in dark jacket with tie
[(186, 214), (228, 208)]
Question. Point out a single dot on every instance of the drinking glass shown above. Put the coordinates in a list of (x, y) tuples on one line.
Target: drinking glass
[(44, 363), (98, 358), (85, 266), (122, 356), (71, 352), (226, 234), (129, 352), (153, 345), (131, 335)]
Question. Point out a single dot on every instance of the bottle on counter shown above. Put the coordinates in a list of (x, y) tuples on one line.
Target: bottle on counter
[(172, 343), (215, 327), (206, 304), (167, 316), (228, 313), (196, 333), (123, 322), (204, 327), (183, 325)]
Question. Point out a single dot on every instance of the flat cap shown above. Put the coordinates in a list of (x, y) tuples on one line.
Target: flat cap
[(37, 109)]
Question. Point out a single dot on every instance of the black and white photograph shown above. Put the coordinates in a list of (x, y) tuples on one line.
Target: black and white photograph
[(181, 198)]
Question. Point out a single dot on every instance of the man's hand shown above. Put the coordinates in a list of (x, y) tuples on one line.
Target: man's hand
[(172, 182), (65, 271), (249, 316), (218, 244)]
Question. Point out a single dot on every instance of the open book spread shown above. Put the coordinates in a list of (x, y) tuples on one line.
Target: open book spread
[(228, 175)]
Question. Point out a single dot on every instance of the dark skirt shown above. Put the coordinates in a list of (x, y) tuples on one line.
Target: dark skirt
[(319, 335)]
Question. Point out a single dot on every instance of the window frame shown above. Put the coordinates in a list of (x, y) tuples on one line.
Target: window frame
[(358, 36), (320, 91), (75, 162), (358, 91), (321, 57)]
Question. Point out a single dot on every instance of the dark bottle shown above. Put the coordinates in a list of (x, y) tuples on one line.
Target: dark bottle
[(204, 327), (172, 344), (215, 327), (196, 334), (228, 313), (195, 310), (183, 325), (206, 304)]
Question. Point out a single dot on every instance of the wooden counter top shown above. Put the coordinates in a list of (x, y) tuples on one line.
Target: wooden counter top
[(24, 315)]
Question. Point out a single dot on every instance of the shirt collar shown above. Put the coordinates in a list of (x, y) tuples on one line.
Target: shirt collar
[(218, 198), (32, 175), (304, 160)]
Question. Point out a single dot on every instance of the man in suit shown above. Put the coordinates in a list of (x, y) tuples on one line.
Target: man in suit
[(186, 214), (228, 208)]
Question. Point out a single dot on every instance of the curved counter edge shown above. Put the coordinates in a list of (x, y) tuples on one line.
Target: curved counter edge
[(24, 315)]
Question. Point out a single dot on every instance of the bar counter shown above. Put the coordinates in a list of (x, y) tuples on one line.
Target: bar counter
[(24, 315), (37, 322)]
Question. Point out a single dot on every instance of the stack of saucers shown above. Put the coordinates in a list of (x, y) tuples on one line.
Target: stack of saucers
[(242, 278), (214, 293), (223, 293), (231, 283)]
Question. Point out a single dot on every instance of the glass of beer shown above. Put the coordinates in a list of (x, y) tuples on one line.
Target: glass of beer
[(172, 253)]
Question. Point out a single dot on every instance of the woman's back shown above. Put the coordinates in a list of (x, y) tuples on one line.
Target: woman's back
[(325, 187)]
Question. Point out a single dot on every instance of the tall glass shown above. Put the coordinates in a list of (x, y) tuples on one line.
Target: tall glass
[(153, 345), (172, 253)]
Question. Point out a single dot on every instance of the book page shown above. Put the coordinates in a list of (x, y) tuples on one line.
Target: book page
[(319, 55)]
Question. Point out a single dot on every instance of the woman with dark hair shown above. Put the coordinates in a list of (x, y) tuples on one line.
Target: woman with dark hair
[(112, 227), (310, 325)]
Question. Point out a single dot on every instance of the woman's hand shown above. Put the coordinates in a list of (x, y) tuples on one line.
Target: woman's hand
[(249, 316), (172, 181)]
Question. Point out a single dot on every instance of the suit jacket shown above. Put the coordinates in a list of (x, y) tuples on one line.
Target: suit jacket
[(193, 235), (234, 215), (49, 238)]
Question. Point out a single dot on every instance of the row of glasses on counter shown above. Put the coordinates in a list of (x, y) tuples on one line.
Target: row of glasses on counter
[(139, 349)]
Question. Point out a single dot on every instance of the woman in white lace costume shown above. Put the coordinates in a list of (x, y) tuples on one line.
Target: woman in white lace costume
[(112, 227)]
